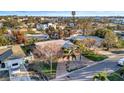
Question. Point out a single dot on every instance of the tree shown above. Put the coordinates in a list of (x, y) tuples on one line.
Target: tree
[(4, 40), (70, 52), (3, 30), (19, 37), (101, 32), (48, 52), (110, 40), (88, 42), (85, 25)]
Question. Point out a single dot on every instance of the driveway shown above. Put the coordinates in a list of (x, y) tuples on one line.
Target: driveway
[(20, 74), (86, 74)]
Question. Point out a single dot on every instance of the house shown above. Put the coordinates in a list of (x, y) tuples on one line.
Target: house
[(1, 25), (45, 25), (37, 36), (71, 24), (41, 26), (81, 37), (12, 57), (5, 53), (14, 62)]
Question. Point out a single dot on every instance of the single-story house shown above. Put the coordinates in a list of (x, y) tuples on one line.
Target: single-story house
[(12, 57), (5, 53), (14, 62), (81, 37), (37, 36)]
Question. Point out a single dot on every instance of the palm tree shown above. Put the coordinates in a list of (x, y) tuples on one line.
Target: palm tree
[(102, 76)]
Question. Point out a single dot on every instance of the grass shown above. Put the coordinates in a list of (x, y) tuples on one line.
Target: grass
[(115, 76), (92, 56)]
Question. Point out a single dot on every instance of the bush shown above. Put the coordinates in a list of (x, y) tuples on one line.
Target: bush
[(102, 76)]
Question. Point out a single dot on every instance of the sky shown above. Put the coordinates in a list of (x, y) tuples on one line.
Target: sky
[(62, 13)]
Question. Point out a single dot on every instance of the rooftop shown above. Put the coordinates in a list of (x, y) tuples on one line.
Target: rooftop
[(17, 51)]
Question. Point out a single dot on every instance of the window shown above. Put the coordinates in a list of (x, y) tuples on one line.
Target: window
[(15, 64)]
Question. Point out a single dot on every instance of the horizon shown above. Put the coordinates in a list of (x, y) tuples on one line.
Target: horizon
[(61, 13)]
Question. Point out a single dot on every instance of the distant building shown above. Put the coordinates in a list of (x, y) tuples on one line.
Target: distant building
[(37, 36), (41, 26), (81, 37), (1, 25), (45, 25), (71, 24)]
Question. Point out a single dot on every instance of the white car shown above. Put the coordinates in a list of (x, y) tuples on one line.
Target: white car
[(121, 62)]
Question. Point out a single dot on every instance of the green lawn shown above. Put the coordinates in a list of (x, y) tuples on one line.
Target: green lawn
[(92, 56), (115, 76)]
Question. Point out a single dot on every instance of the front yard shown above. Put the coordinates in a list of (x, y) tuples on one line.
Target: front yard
[(43, 69), (93, 56)]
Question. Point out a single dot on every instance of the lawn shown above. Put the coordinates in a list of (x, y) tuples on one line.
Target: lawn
[(115, 76), (92, 56)]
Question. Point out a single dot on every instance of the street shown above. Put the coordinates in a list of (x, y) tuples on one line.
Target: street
[(86, 74)]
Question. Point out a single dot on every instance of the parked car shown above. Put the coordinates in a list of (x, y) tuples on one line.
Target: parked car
[(121, 62)]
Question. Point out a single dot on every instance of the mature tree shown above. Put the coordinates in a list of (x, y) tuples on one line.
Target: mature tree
[(85, 25), (3, 30), (19, 37), (101, 32), (4, 40), (110, 40), (48, 52), (88, 42), (71, 52)]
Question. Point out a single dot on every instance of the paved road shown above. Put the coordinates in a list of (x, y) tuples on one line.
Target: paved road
[(86, 74)]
